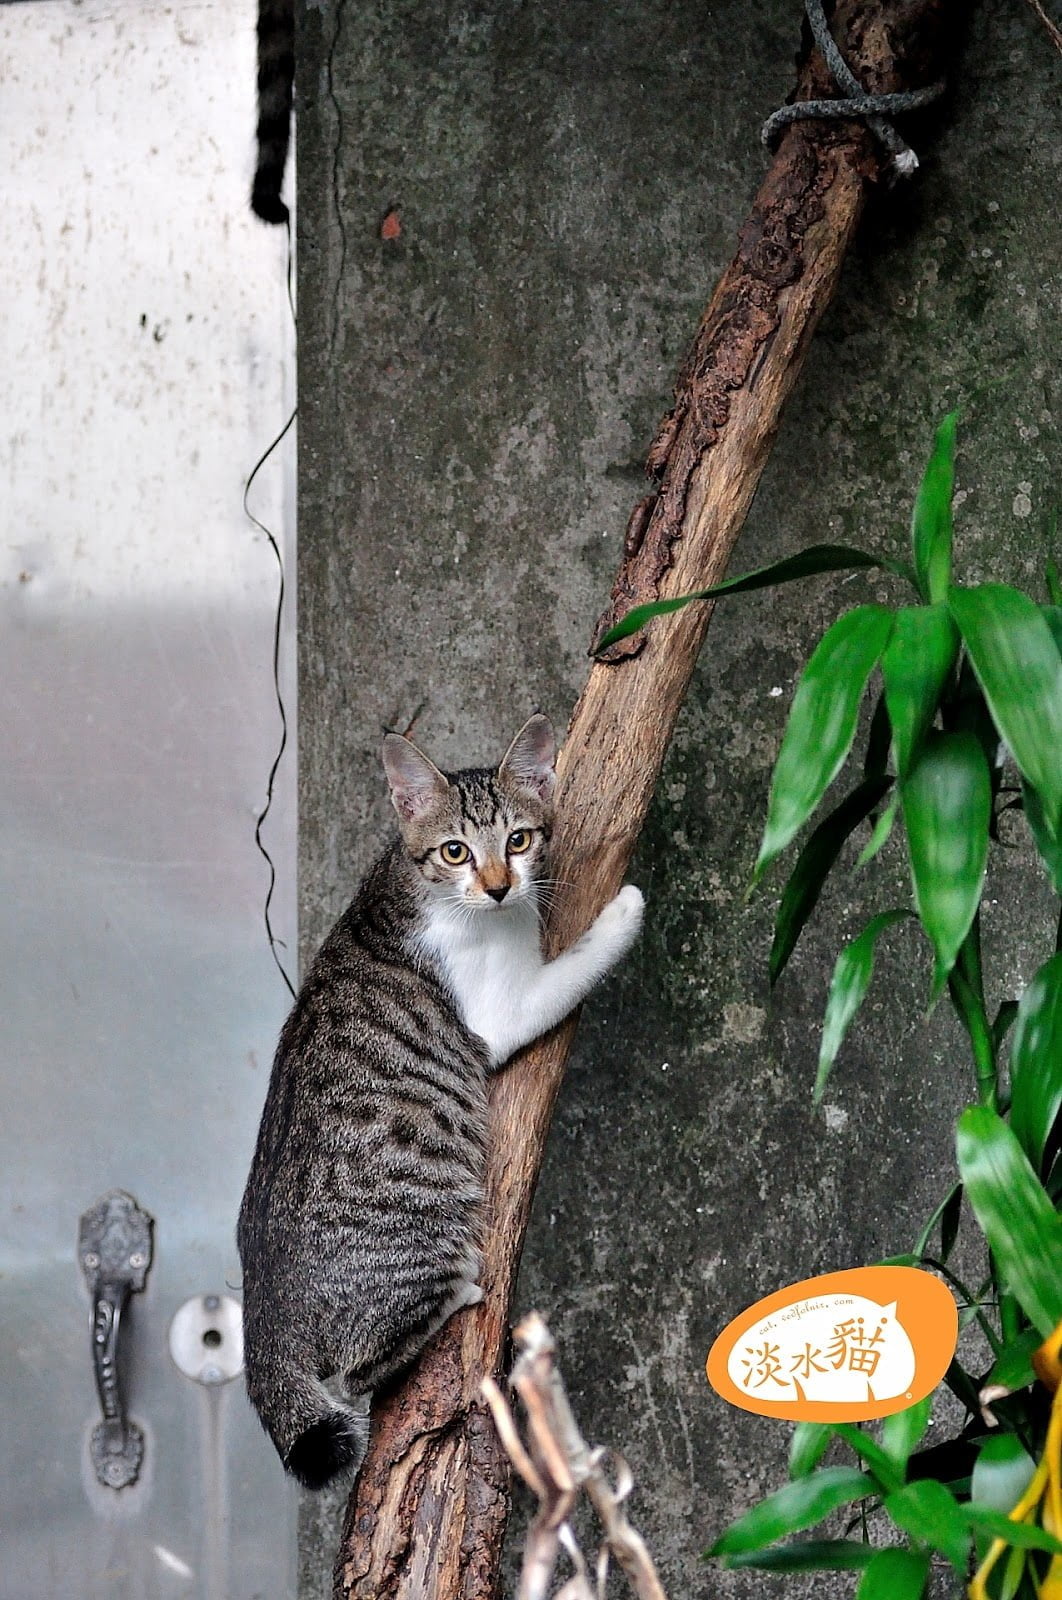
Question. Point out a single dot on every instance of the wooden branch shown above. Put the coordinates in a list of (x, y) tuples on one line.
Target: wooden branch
[(426, 1518)]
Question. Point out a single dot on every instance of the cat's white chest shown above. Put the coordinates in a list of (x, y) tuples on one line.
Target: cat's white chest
[(492, 962)]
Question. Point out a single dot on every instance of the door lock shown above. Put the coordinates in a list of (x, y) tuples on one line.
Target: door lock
[(206, 1338), (114, 1247)]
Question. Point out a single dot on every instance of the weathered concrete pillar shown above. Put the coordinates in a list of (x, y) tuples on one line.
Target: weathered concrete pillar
[(476, 396)]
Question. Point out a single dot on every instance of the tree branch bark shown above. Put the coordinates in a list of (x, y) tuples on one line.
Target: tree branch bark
[(427, 1514)]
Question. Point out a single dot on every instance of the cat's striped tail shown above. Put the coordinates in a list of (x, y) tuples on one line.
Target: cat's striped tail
[(317, 1436), (336, 1442), (276, 76)]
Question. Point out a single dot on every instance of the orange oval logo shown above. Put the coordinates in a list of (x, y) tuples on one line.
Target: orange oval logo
[(846, 1347)]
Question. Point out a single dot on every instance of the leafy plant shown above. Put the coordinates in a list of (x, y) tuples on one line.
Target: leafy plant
[(971, 695)]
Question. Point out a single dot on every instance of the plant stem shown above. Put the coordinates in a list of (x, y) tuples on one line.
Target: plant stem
[(974, 1300), (970, 957), (920, 1247)]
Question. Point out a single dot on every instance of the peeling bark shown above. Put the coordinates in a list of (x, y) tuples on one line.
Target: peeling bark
[(426, 1517)]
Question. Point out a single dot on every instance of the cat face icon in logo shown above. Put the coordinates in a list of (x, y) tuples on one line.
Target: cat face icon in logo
[(846, 1347)]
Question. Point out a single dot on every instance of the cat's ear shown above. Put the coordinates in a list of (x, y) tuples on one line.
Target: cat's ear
[(530, 760), (416, 784)]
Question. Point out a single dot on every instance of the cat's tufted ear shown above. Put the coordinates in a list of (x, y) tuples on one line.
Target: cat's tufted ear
[(416, 784), (530, 760)]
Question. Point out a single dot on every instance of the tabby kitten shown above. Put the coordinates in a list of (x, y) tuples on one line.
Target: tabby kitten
[(276, 79), (360, 1227)]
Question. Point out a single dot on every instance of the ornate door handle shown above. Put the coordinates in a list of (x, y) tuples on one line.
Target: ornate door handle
[(114, 1247)]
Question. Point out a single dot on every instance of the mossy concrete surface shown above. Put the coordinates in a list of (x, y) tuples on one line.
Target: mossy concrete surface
[(476, 399)]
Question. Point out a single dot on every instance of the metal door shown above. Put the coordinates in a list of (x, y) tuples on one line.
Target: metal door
[(146, 363)]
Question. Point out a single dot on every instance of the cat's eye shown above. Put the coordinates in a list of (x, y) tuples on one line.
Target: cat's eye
[(519, 841), (454, 851)]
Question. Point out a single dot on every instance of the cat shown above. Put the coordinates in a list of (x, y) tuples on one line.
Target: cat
[(359, 1231), (276, 80)]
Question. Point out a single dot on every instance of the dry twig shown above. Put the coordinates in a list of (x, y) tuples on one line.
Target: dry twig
[(1053, 30), (557, 1464)]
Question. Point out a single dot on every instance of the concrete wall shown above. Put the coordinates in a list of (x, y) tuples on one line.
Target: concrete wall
[(476, 399)]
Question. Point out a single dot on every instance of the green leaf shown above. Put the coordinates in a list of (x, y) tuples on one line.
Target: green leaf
[(795, 1506), (814, 862), (968, 713), (1002, 1473), (1013, 1366), (915, 668), (1023, 1535), (949, 1222), (848, 986), (817, 558), (970, 1008), (809, 1555), (879, 741), (1047, 844), (931, 523), (927, 1512), (947, 806), (1036, 1061), (1023, 1230), (895, 1575), (1019, 667), (1013, 1573), (869, 1451), (807, 1447), (901, 1432), (1053, 616), (1054, 587), (1008, 1010), (882, 829), (822, 723)]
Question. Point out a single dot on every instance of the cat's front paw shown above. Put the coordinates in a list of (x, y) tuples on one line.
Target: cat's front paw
[(621, 920)]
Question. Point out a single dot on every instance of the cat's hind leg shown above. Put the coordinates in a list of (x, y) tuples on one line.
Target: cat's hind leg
[(467, 1289), (469, 1294), (463, 1294)]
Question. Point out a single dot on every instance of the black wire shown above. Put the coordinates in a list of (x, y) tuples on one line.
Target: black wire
[(274, 942)]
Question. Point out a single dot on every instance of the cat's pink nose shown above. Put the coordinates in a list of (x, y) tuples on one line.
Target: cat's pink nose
[(499, 893)]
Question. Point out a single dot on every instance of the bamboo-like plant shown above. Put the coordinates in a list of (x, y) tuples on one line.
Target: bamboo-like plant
[(968, 724)]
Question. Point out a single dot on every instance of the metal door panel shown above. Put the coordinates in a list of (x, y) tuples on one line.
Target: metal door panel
[(145, 361)]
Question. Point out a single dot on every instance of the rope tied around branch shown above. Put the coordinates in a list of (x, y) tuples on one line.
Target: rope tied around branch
[(858, 102)]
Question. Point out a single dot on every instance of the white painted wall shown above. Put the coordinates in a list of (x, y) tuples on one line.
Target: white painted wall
[(146, 348), (146, 361)]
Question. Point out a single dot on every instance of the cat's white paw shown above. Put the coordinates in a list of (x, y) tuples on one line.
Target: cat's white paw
[(621, 920), (632, 900)]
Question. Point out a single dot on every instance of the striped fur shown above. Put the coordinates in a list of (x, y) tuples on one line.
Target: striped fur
[(276, 81), (360, 1226)]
